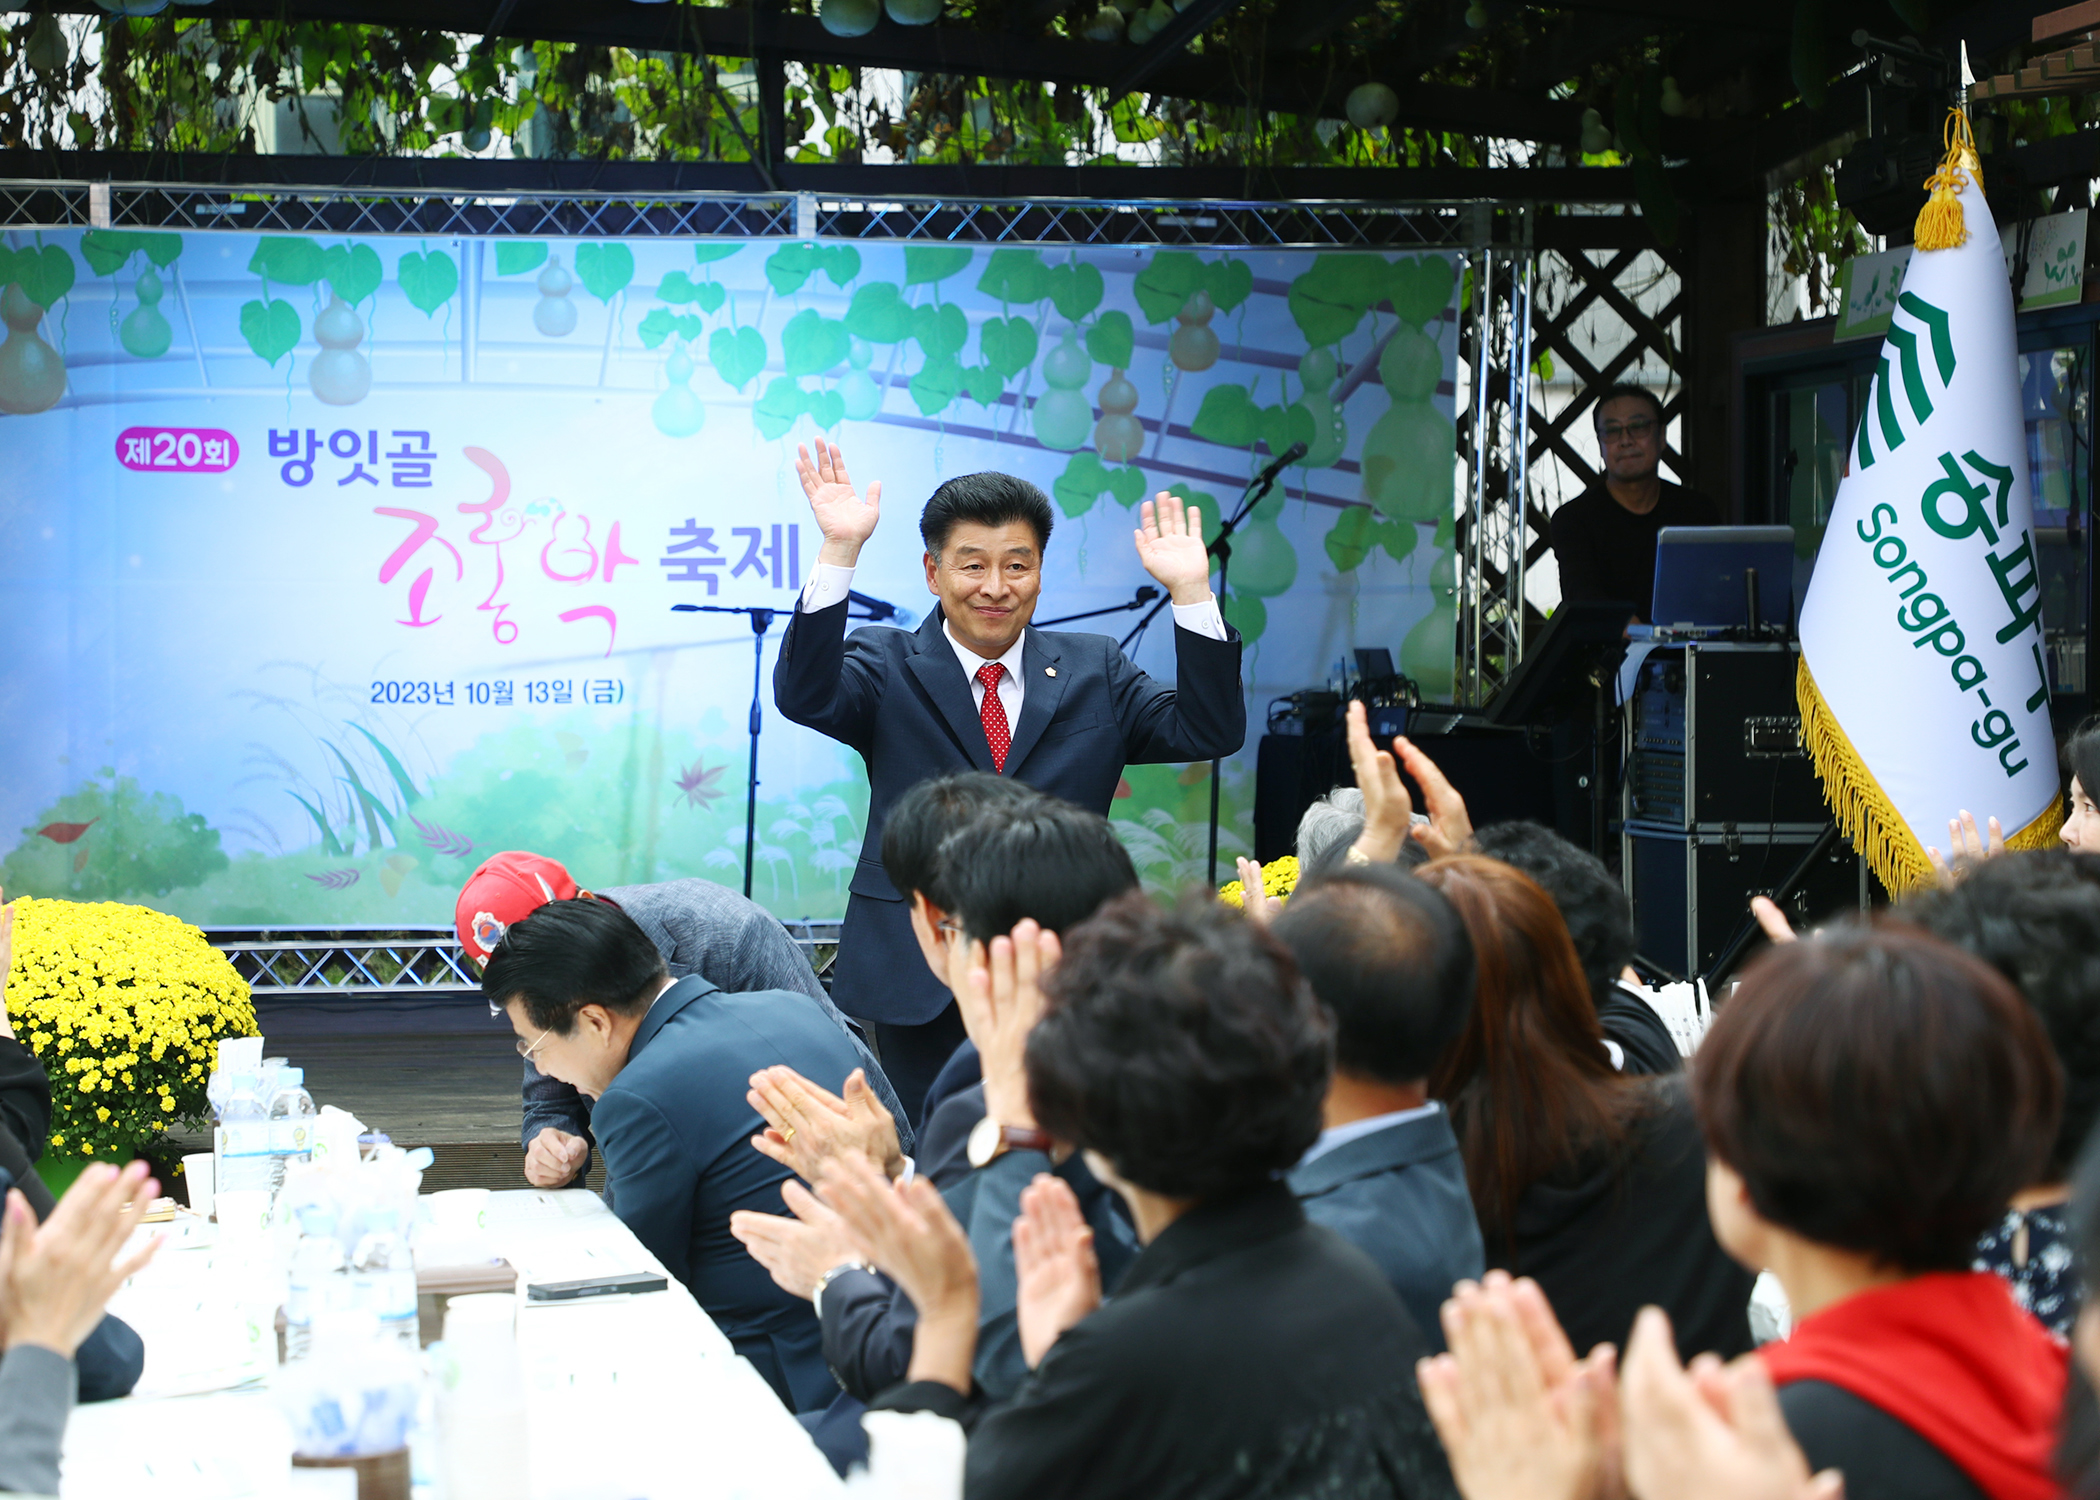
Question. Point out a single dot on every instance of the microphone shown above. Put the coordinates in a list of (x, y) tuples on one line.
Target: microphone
[(1282, 461)]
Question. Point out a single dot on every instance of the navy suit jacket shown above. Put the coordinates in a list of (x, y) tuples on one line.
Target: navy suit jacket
[(1399, 1195), (900, 698), (675, 1132)]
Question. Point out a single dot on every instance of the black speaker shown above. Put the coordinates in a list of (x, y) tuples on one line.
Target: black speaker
[(1691, 889)]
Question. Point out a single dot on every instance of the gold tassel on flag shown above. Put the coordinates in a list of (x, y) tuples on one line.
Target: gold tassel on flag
[(1940, 225)]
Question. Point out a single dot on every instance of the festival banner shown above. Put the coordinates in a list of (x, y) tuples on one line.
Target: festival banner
[(336, 564), (1923, 684)]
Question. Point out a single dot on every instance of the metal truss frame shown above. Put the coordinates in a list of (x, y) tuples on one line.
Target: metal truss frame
[(395, 963)]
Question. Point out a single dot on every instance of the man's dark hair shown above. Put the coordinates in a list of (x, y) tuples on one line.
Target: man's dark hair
[(1623, 392), (2081, 758), (925, 817), (987, 499), (1182, 1046), (1880, 1091), (569, 954), (2035, 918), (1044, 859), (1599, 917), (1390, 958)]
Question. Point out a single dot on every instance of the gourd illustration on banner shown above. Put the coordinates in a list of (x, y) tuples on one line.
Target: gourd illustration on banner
[(1924, 676), (32, 373)]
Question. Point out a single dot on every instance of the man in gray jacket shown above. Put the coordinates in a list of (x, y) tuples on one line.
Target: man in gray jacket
[(699, 927)]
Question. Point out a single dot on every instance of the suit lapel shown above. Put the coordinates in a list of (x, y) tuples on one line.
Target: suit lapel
[(940, 676), (1040, 692)]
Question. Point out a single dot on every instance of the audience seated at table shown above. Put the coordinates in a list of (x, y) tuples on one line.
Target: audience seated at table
[(1037, 858), (55, 1280), (1589, 1181), (1247, 1350), (668, 1064), (2035, 918), (1871, 1098), (1391, 961), (1599, 915)]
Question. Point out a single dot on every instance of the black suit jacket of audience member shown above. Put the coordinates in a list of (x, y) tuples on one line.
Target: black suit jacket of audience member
[(1248, 1352), (900, 698), (1883, 1458), (1610, 1237), (1399, 1195)]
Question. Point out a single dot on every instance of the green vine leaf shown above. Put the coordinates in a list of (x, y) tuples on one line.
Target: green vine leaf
[(841, 263), (711, 295), (513, 256), (790, 266), (1081, 484), (271, 328), (288, 260), (1111, 341), (879, 314), (1229, 282), (1420, 288), (353, 272), (427, 280), (775, 412), (1228, 416), (1350, 539), (1008, 345), (941, 328), (1164, 287), (1329, 300), (604, 267), (659, 323), (811, 343), (676, 287), (925, 264), (1076, 290), (44, 275), (825, 408), (936, 384), (738, 354), (1015, 275), (982, 384), (1127, 484), (707, 252)]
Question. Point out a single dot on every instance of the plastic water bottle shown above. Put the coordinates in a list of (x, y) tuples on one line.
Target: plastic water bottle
[(242, 1160), (292, 1116), (384, 1272), (319, 1284)]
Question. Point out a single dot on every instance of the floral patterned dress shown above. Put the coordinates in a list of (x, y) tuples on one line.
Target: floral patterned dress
[(2032, 1250)]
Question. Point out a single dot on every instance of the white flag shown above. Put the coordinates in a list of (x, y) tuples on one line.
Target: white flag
[(1923, 685)]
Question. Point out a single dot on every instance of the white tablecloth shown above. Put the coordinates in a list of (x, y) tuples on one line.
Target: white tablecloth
[(627, 1397)]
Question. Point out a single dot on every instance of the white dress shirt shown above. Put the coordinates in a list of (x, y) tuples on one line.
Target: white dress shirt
[(829, 583), (1356, 1130)]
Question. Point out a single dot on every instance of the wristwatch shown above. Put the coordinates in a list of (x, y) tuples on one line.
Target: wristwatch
[(988, 1138), (816, 1296)]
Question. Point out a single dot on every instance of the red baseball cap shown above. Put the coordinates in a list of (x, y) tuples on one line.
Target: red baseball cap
[(508, 887)]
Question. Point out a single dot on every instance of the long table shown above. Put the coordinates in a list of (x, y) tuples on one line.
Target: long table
[(626, 1397)]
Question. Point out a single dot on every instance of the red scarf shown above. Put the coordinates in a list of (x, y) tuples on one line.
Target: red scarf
[(1952, 1357)]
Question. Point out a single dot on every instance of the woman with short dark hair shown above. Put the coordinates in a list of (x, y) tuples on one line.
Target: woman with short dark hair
[(1588, 1181), (1246, 1352), (1871, 1099)]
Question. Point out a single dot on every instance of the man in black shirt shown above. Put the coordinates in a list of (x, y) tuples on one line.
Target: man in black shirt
[(1604, 539)]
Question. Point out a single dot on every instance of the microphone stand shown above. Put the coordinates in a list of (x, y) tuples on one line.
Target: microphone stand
[(1221, 548), (761, 621), (1145, 595)]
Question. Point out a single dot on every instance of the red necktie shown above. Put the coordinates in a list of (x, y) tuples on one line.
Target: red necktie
[(996, 733)]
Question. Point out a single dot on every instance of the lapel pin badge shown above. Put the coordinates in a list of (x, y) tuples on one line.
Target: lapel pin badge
[(1049, 671)]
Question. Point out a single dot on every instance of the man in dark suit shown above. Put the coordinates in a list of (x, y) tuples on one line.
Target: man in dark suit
[(1390, 960), (975, 688), (668, 1063)]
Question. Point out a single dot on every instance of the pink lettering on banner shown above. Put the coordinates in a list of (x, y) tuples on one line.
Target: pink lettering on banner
[(177, 450)]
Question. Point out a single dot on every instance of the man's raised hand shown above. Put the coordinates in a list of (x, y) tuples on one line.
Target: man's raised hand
[(1170, 545), (846, 520)]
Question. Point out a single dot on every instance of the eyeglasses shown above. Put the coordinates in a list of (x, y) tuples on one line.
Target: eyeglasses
[(525, 1051), (1638, 429)]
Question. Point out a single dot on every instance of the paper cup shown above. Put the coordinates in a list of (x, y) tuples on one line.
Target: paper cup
[(243, 1215), (460, 1210), (197, 1172)]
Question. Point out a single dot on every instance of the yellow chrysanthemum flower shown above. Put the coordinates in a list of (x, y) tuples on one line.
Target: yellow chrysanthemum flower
[(1279, 877)]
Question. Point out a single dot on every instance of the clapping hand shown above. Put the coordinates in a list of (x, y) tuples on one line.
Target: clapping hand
[(1450, 826), (795, 1251), (1519, 1415), (55, 1279), (845, 520), (807, 1125), (1000, 990), (1714, 1431), (1170, 545), (1262, 907), (1059, 1280), (909, 1233), (1968, 846), (1388, 810)]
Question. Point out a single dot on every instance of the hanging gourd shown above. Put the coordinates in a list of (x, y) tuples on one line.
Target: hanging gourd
[(1410, 452), (1330, 434), (1263, 560), (1105, 25), (555, 314), (145, 331), (339, 374), (1194, 345), (863, 397), (1371, 105), (1062, 415), (678, 412), (32, 373), (849, 17), (1118, 435), (1430, 653), (913, 12)]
